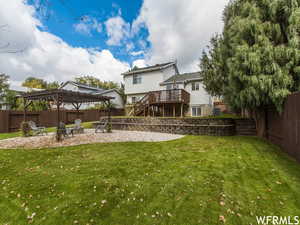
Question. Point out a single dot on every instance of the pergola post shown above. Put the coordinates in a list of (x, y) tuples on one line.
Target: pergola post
[(58, 111), (109, 115), (25, 105), (25, 108)]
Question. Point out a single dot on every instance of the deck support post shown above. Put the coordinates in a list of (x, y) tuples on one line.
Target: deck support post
[(181, 110), (153, 113), (163, 110), (174, 111)]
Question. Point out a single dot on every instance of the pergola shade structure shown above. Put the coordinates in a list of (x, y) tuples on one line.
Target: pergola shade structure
[(59, 96)]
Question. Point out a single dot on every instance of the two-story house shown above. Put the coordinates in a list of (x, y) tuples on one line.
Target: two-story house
[(160, 90)]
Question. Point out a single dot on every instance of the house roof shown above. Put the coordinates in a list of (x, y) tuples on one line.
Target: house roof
[(150, 68), (96, 91), (107, 91), (181, 78), (82, 86)]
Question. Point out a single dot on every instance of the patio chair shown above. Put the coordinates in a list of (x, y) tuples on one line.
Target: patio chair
[(65, 131), (35, 129), (102, 126), (77, 127)]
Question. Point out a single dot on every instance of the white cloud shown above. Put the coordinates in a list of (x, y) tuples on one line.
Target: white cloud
[(46, 55), (179, 29), (140, 63), (117, 30), (137, 53), (87, 24)]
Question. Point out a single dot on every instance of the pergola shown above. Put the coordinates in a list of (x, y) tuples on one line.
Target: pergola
[(59, 96)]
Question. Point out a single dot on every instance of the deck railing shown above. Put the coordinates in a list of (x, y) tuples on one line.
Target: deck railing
[(160, 97), (169, 96)]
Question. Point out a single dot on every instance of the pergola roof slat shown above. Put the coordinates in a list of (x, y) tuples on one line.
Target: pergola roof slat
[(65, 96)]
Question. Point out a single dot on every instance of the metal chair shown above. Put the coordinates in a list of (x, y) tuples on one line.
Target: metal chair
[(77, 127), (102, 126), (65, 131), (35, 129)]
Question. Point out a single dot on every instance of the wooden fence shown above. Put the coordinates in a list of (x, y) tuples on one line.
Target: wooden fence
[(10, 121), (284, 129)]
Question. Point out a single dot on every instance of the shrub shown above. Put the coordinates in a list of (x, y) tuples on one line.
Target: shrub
[(25, 129)]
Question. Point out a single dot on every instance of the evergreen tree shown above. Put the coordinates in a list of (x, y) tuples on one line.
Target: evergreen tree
[(258, 54)]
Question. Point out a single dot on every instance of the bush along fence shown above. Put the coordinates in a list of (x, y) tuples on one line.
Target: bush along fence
[(193, 126), (10, 121)]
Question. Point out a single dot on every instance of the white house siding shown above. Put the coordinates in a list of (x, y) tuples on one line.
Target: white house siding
[(150, 81), (117, 101), (168, 72), (199, 98)]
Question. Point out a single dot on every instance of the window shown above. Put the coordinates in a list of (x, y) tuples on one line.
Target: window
[(137, 79), (172, 86), (195, 86), (196, 111), (133, 100)]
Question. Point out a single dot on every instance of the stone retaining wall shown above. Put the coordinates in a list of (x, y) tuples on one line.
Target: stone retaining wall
[(193, 126)]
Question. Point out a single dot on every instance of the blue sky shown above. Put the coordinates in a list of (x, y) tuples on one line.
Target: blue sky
[(60, 17), (59, 40)]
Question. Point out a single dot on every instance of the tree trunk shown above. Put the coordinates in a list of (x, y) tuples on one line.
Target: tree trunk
[(260, 118)]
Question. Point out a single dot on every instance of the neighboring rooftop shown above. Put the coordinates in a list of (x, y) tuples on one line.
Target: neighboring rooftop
[(180, 78), (150, 68), (82, 86)]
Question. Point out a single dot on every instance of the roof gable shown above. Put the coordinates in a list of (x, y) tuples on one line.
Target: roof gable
[(81, 86), (181, 78), (151, 68)]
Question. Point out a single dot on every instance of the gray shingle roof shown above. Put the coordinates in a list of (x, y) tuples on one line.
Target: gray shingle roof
[(149, 68), (183, 77), (83, 86)]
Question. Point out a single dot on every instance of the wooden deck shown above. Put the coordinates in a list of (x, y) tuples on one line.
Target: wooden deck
[(158, 101)]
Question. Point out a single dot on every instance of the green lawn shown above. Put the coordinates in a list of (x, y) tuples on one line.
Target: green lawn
[(194, 180)]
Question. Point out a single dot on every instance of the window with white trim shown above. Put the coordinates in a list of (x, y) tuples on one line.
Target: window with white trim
[(137, 79), (133, 99), (196, 111), (195, 86)]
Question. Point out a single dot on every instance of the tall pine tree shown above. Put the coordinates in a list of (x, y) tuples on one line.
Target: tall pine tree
[(258, 54)]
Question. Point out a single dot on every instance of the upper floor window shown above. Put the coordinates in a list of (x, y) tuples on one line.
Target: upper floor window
[(137, 79), (195, 86), (172, 86)]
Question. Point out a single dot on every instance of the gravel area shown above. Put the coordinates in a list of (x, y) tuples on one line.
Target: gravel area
[(87, 138)]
